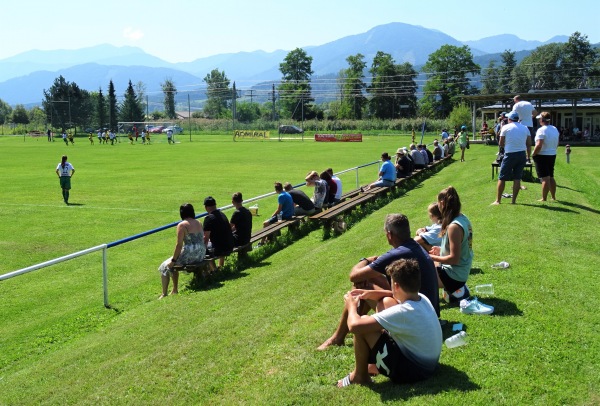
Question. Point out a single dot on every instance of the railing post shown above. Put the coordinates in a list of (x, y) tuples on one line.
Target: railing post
[(357, 184), (105, 277)]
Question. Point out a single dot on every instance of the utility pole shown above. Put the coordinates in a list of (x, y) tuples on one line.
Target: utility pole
[(251, 95), (273, 98)]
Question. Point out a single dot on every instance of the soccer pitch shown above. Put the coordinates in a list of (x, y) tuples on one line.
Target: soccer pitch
[(250, 337)]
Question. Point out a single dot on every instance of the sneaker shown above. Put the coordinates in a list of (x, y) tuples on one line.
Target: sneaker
[(475, 307), (457, 295)]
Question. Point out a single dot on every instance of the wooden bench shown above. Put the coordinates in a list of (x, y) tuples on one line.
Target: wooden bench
[(329, 215), (496, 165), (267, 232)]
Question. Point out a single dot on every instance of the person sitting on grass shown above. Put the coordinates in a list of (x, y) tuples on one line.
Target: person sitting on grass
[(369, 273), (429, 236), (190, 248), (403, 340)]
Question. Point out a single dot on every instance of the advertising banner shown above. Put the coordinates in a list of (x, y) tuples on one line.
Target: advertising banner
[(251, 134), (338, 137)]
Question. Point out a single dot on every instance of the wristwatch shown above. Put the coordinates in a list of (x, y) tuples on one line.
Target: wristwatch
[(365, 259)]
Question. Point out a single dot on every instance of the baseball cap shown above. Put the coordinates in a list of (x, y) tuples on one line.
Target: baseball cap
[(513, 115), (464, 127), (210, 201), (400, 151), (503, 114)]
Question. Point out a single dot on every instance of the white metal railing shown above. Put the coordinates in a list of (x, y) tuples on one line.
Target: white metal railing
[(105, 247)]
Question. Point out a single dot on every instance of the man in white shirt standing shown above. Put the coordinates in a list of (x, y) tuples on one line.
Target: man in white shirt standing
[(516, 140), (65, 171), (526, 112)]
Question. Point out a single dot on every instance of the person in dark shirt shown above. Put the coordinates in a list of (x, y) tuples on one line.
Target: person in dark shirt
[(218, 231), (402, 164), (241, 221), (370, 273), (302, 203)]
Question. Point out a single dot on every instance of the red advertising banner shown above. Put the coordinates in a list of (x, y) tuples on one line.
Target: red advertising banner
[(338, 137)]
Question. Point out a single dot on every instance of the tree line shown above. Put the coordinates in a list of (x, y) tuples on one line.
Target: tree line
[(390, 90)]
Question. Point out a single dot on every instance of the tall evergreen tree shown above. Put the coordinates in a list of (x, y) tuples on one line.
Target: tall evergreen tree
[(101, 109), (509, 62), (491, 79), (130, 108), (113, 108), (66, 105), (169, 91)]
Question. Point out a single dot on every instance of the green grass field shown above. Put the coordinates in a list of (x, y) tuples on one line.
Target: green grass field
[(250, 336)]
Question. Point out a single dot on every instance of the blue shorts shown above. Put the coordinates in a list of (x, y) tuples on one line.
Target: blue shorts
[(512, 166)]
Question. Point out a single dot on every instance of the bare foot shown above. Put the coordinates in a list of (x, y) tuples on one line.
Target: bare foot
[(495, 203), (373, 371), (174, 292), (161, 296), (541, 200), (333, 340)]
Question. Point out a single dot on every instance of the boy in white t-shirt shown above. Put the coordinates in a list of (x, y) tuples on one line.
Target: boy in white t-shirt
[(403, 340)]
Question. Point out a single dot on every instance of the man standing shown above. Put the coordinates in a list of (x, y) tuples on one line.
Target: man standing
[(370, 273), (170, 136), (241, 221), (516, 141), (526, 111), (65, 171), (303, 204), (218, 231)]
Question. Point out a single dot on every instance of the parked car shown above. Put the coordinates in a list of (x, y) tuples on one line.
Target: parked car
[(175, 128), (157, 129), (290, 129)]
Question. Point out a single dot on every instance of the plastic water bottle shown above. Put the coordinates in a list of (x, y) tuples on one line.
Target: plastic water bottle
[(279, 216), (487, 289), (501, 265), (456, 340)]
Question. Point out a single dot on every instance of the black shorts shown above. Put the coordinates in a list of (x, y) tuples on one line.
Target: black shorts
[(392, 362), (450, 285), (544, 165)]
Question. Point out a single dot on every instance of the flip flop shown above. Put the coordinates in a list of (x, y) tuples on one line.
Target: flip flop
[(342, 383)]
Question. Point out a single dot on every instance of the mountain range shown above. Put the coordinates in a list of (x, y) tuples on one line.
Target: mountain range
[(23, 77)]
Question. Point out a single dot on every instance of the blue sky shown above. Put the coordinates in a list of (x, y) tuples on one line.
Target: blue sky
[(184, 30)]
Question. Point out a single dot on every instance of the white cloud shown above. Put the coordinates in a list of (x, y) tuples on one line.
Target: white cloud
[(134, 34)]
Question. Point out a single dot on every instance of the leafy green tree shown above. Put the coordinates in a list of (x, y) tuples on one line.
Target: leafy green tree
[(247, 112), (295, 88), (448, 71), (169, 90), (353, 98), (5, 112), (579, 60), (509, 62), (113, 108), (131, 109), (491, 79), (219, 94), (19, 115), (66, 105), (37, 117), (392, 86), (542, 68), (459, 116), (520, 81)]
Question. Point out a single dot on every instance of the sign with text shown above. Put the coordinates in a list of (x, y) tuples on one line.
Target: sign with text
[(252, 134), (338, 137)]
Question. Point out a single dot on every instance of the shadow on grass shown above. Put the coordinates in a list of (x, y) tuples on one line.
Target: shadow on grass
[(540, 205), (568, 188), (476, 271), (236, 265), (503, 307), (445, 379), (579, 206), (76, 204)]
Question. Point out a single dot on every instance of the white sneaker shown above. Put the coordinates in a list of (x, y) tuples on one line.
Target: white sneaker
[(475, 307)]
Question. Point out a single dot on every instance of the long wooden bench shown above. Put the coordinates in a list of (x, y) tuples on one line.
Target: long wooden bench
[(268, 232), (329, 215)]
